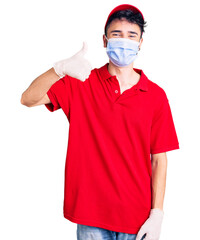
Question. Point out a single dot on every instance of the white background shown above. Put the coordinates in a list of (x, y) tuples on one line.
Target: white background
[(35, 34)]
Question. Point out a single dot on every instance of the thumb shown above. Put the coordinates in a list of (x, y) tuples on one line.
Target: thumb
[(83, 50), (140, 234)]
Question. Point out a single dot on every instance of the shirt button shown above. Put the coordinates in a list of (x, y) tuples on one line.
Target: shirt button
[(116, 91)]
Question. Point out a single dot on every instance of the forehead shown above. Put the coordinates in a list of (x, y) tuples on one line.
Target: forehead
[(122, 25)]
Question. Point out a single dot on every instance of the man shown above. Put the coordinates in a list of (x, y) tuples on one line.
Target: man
[(120, 129)]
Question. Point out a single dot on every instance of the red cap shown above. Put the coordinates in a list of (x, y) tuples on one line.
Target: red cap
[(124, 7)]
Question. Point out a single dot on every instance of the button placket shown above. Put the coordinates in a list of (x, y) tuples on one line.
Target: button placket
[(116, 87), (117, 95)]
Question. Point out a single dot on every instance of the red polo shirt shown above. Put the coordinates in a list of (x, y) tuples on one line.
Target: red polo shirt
[(111, 136)]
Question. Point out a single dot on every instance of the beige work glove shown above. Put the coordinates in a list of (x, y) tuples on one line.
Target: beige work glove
[(76, 66), (152, 226)]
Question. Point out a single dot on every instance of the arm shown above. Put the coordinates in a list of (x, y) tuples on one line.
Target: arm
[(76, 66), (159, 172), (35, 94), (152, 226), (163, 139)]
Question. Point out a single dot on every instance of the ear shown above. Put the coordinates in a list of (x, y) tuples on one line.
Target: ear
[(104, 41)]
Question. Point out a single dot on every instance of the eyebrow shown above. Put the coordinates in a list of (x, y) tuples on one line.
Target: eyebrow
[(121, 31)]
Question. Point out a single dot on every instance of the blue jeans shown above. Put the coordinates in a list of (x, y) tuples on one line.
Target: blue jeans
[(85, 232)]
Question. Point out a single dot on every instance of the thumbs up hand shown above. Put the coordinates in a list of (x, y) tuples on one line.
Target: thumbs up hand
[(76, 66)]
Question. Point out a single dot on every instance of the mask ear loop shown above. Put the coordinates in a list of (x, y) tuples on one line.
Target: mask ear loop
[(139, 44), (106, 37)]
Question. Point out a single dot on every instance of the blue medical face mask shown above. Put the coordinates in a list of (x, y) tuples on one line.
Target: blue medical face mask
[(122, 51)]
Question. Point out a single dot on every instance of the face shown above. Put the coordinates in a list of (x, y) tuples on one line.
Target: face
[(123, 29)]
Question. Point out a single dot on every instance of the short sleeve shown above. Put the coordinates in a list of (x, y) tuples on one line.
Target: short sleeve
[(60, 95), (163, 134)]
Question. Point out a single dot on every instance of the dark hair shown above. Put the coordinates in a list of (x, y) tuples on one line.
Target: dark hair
[(130, 17)]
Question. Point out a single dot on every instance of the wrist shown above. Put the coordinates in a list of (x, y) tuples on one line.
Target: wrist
[(58, 68), (158, 208), (157, 212)]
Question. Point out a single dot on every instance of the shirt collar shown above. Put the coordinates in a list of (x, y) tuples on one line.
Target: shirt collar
[(142, 84)]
